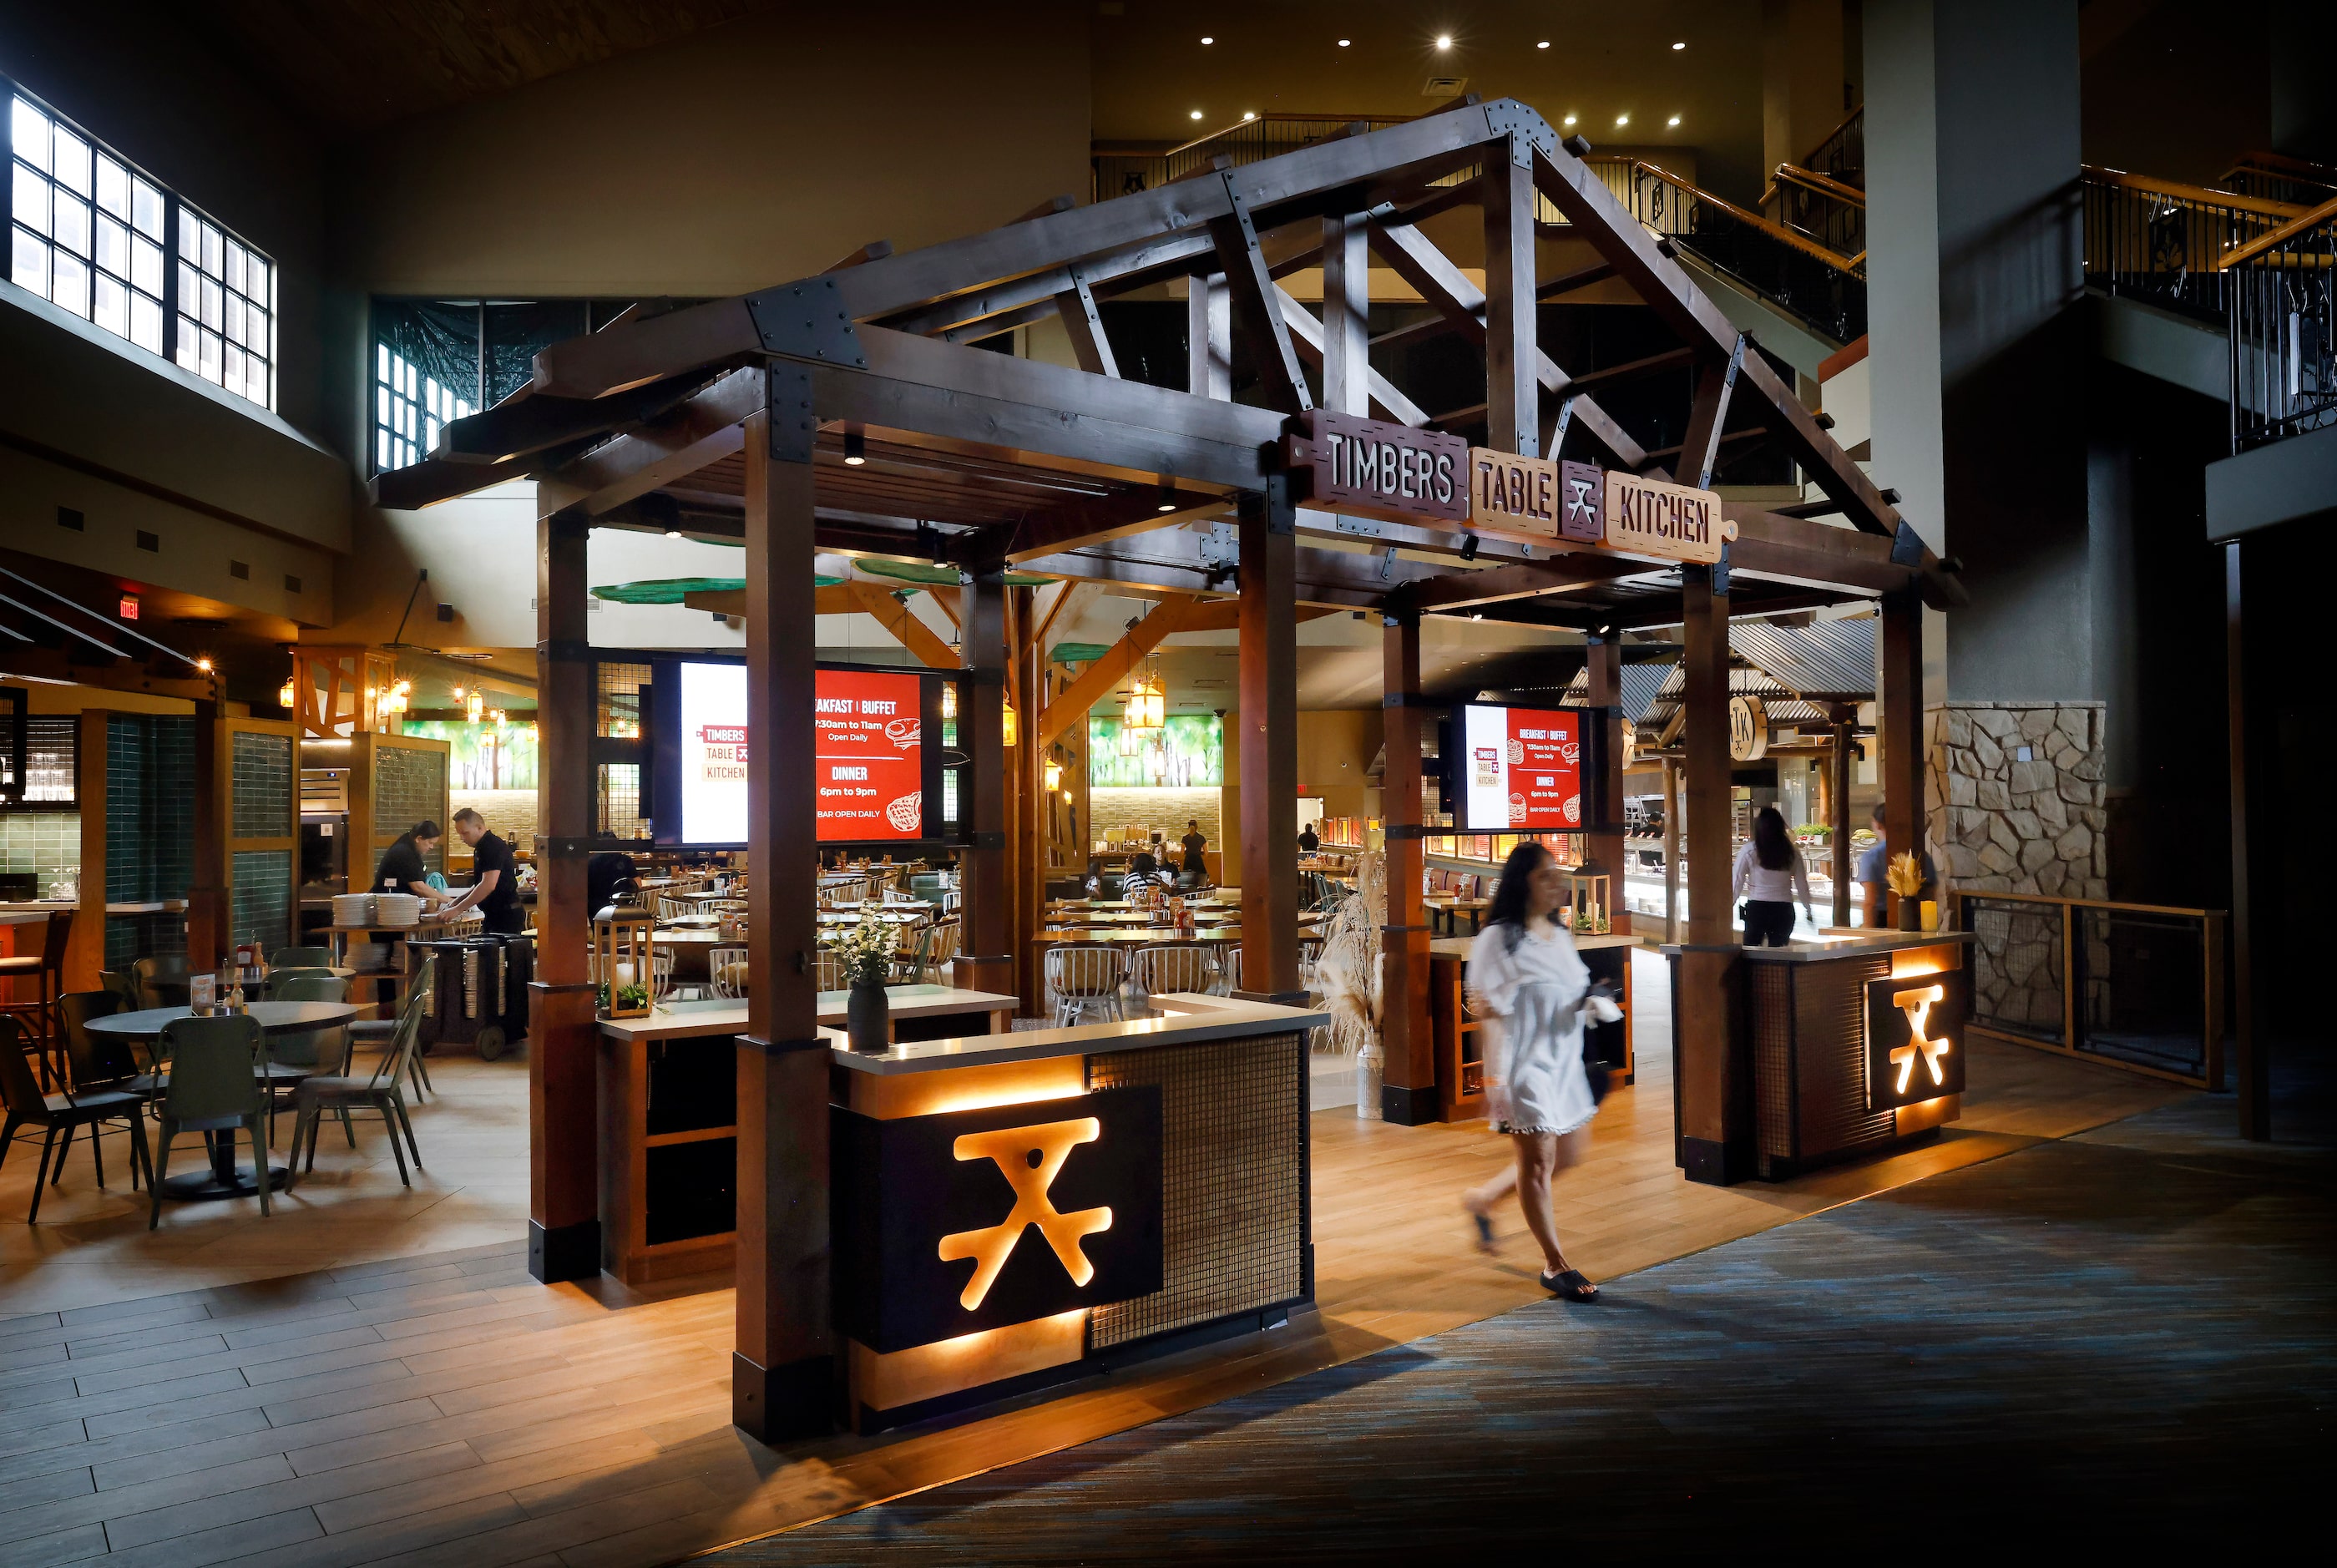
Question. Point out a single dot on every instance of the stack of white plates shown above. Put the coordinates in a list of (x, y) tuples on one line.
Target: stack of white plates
[(397, 909), (352, 908)]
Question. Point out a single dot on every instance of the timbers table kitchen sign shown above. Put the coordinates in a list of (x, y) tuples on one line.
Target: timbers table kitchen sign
[(1372, 468)]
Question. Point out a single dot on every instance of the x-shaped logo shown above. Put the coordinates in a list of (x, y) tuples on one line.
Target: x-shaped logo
[(1917, 1005), (1029, 1158), (1577, 500)]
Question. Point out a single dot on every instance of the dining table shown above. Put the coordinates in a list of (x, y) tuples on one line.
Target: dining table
[(225, 1179)]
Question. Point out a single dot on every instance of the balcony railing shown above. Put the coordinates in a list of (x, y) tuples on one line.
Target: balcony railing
[(2164, 242), (2284, 330), (2138, 987)]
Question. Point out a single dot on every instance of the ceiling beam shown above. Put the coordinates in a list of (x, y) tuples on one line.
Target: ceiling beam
[(1525, 580), (1307, 333), (1258, 303), (895, 616), (1071, 704)]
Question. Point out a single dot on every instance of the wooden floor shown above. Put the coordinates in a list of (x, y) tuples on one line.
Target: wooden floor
[(443, 1408)]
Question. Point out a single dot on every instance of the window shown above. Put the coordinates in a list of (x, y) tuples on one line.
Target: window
[(440, 359), (90, 234), (226, 310)]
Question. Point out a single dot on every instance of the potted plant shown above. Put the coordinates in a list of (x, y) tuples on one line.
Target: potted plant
[(863, 953)]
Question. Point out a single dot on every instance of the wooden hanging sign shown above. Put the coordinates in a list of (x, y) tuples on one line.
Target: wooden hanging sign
[(1656, 517), (1375, 469)]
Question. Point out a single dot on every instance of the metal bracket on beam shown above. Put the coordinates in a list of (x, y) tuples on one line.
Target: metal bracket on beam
[(1720, 571), (1906, 546), (1219, 547), (564, 651), (806, 320), (583, 845), (787, 398)]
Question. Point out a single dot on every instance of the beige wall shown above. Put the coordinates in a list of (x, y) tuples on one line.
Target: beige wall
[(1336, 745)]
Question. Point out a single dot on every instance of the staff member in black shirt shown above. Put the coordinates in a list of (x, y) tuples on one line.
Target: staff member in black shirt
[(405, 867), (495, 885)]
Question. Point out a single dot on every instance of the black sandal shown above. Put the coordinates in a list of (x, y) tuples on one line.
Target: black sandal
[(1570, 1284), (1484, 1231)]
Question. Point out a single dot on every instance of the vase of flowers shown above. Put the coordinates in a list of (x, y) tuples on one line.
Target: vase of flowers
[(863, 953), (1905, 876)]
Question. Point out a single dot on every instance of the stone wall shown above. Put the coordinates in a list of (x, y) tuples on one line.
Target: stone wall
[(2013, 796)]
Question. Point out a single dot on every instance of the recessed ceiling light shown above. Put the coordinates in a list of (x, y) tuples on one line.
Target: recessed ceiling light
[(1673, 121), (1212, 41), (1622, 119), (1675, 48), (1343, 43), (1571, 118), (1196, 114), (1444, 41), (1544, 45), (1252, 115)]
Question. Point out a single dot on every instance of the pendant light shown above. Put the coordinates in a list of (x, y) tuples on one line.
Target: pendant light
[(1007, 721)]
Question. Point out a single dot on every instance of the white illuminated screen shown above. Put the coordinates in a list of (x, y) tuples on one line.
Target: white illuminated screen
[(713, 753), (1521, 769)]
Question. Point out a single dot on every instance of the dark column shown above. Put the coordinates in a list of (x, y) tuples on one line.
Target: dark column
[(1674, 852), (1031, 804), (986, 961), (1269, 743), (2252, 1065), (564, 1226), (1712, 1057), (1408, 1076), (1605, 850), (1899, 721), (1513, 384), (1838, 800), (207, 937), (783, 1373)]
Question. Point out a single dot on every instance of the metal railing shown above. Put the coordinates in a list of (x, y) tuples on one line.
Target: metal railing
[(2162, 242), (1818, 207), (2138, 987), (2275, 177), (1843, 154), (2284, 330)]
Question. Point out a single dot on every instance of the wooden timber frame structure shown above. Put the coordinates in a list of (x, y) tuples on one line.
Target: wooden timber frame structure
[(731, 420)]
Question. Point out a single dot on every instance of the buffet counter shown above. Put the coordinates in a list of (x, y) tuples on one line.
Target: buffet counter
[(1013, 1211), (1853, 1042)]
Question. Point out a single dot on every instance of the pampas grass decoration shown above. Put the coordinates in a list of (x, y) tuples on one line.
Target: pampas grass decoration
[(1349, 972)]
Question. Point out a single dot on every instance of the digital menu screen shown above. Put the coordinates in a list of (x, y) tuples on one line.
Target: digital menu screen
[(868, 755), (1519, 768)]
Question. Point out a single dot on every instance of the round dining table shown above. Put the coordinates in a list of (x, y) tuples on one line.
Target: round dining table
[(225, 1179)]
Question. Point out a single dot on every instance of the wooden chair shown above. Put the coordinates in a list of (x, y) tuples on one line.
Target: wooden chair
[(46, 971), (1080, 975), (947, 937), (213, 1088), (909, 943), (63, 1112), (827, 970), (378, 1093), (1165, 966)]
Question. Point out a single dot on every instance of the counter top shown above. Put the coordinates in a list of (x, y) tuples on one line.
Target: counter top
[(42, 906), (723, 1015), (1850, 945), (1187, 1019), (1458, 946)]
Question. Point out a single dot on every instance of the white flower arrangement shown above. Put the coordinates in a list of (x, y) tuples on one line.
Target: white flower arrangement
[(864, 952)]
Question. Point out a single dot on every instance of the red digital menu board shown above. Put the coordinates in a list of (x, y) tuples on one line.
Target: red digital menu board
[(1521, 769), (869, 756)]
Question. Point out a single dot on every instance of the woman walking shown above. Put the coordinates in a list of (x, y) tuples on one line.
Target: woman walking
[(1769, 873), (1532, 988)]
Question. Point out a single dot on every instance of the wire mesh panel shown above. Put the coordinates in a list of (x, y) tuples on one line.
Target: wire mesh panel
[(2018, 985), (1234, 1177), (2143, 989)]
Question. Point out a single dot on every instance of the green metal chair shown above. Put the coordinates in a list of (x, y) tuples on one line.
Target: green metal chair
[(61, 1112), (99, 1061), (212, 1089), (122, 983), (302, 958), (309, 1053), (381, 1031), (378, 1092)]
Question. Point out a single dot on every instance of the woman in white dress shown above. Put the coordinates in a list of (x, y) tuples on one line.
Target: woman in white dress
[(1530, 985)]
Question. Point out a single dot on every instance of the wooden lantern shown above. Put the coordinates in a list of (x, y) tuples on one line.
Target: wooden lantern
[(621, 961)]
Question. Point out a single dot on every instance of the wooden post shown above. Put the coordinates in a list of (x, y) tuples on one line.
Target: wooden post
[(85, 949), (208, 936), (2252, 1065), (1899, 721), (1408, 1095), (564, 1227), (1031, 822), (1606, 850), (1673, 852), (1838, 760), (1208, 337), (1269, 743), (1712, 1056), (1346, 311), (1512, 378), (986, 962), (783, 1372)]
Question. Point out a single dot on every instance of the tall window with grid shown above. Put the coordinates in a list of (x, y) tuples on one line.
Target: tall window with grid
[(85, 233), (227, 315), (90, 234), (409, 409)]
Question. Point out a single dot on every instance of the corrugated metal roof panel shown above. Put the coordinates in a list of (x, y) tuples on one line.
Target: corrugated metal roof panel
[(1825, 659)]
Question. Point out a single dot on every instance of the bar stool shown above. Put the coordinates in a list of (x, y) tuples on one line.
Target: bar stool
[(47, 970)]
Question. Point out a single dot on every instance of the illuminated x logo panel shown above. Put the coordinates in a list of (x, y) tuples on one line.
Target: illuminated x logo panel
[(1029, 1157), (1914, 1038), (934, 1215)]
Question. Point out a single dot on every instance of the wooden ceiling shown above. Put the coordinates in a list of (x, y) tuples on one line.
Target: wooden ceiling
[(350, 66)]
